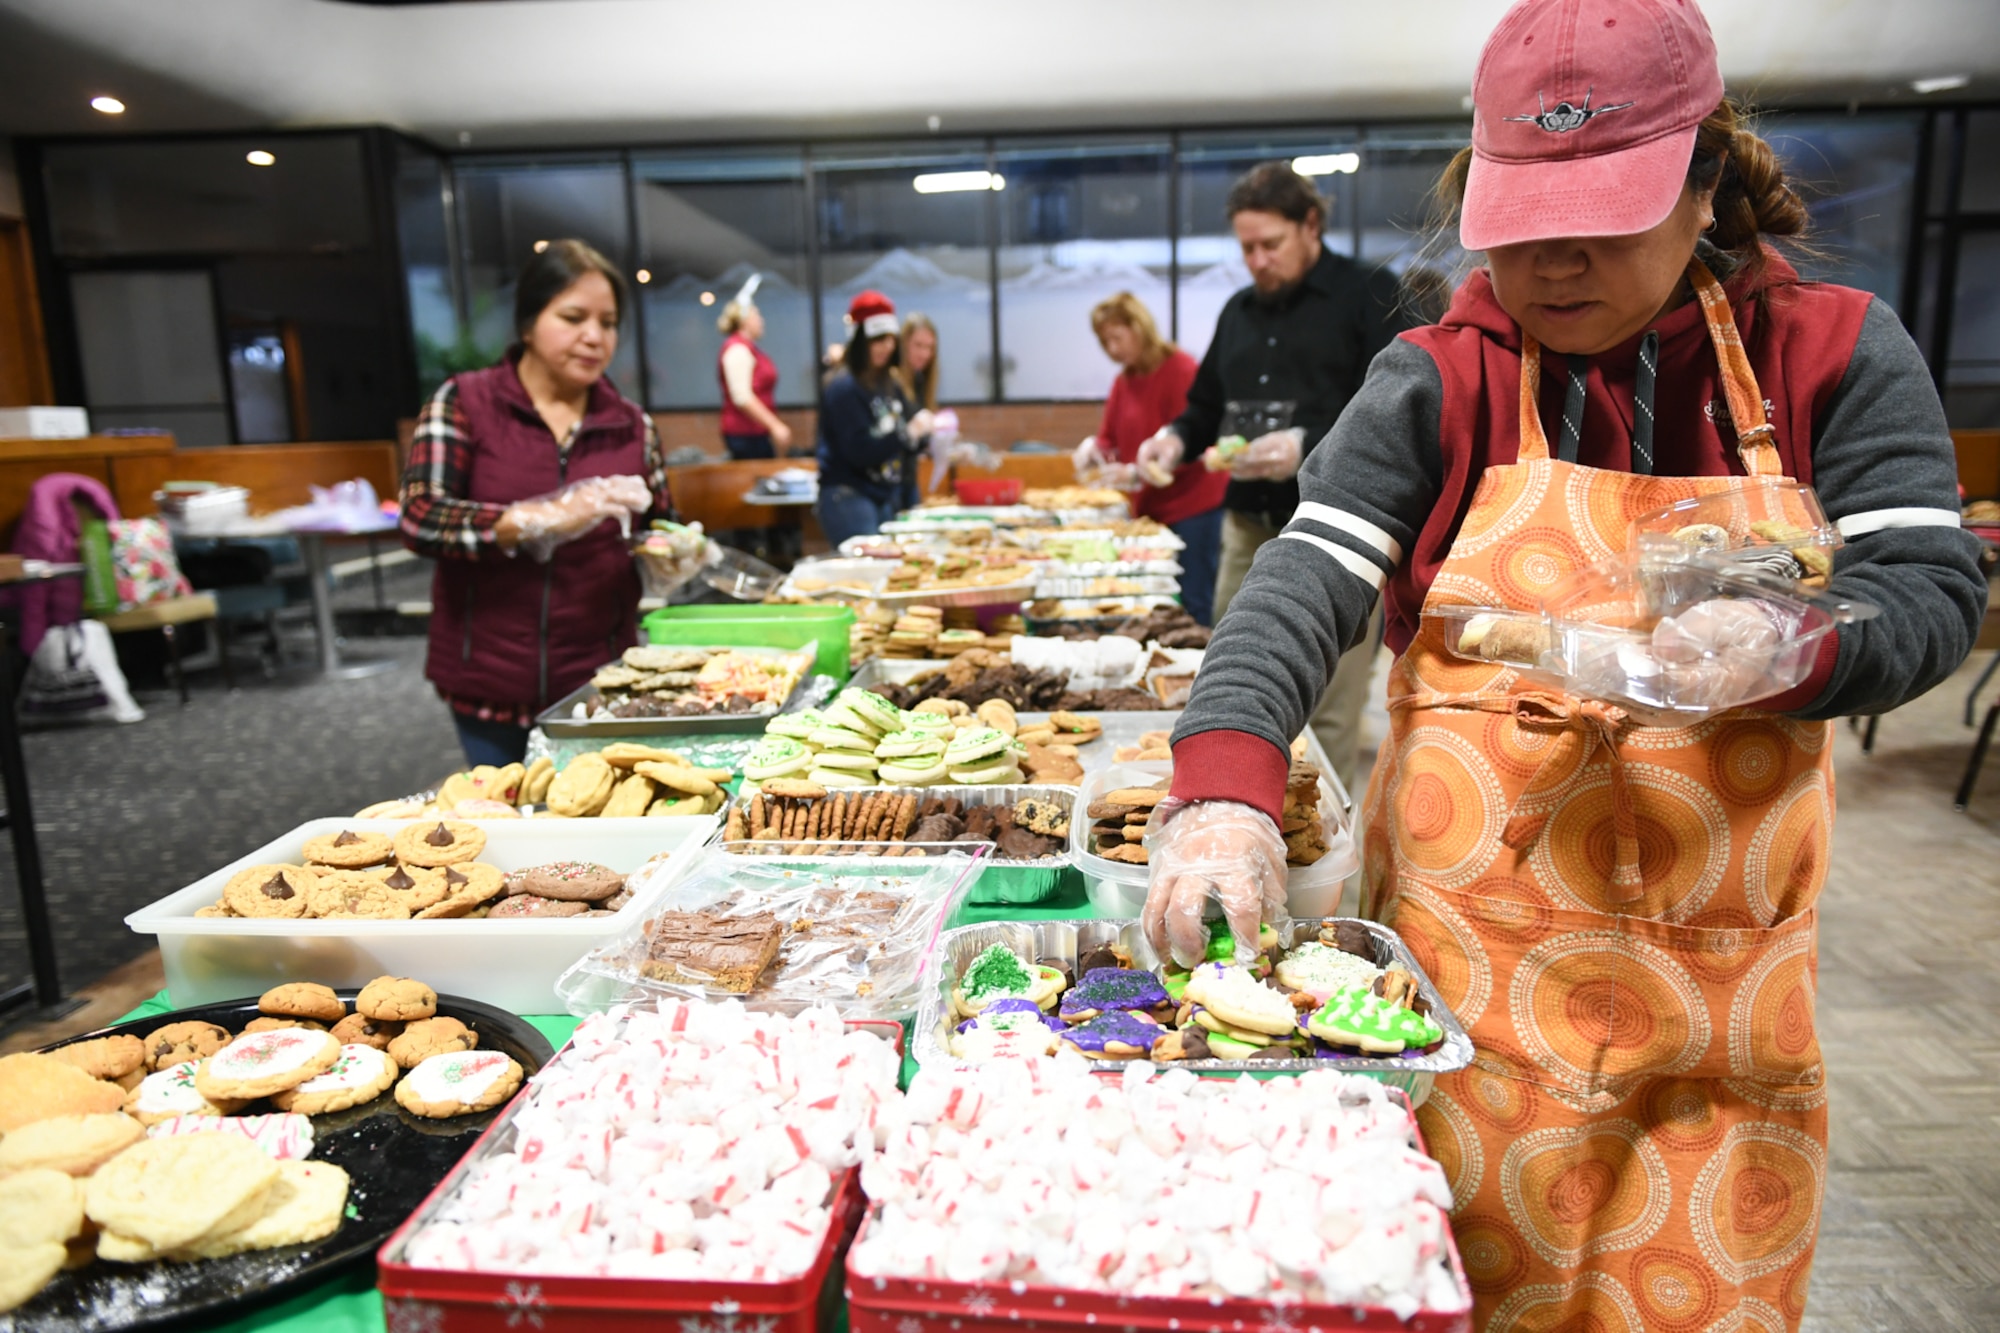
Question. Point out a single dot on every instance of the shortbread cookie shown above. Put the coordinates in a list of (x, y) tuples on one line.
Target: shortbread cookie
[(104, 1057), (167, 1192), (347, 850), (358, 1076), (357, 895), (535, 782), (466, 887), (269, 891), (431, 1036), (189, 1039), (305, 1203), (396, 998), (460, 1083), (582, 787), (302, 999), (265, 1062), (36, 1087), (24, 1272), (39, 1206), (171, 1093), (359, 1029), (74, 1144), (442, 842)]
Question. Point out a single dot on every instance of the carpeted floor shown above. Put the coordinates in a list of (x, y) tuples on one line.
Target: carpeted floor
[(128, 814)]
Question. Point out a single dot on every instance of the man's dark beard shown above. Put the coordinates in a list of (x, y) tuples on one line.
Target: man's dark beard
[(1278, 297)]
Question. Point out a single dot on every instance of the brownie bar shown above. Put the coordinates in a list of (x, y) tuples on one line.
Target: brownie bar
[(702, 949)]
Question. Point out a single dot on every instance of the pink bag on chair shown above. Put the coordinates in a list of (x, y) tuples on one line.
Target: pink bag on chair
[(142, 551)]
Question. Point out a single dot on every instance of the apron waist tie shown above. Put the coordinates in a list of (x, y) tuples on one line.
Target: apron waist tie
[(1581, 727)]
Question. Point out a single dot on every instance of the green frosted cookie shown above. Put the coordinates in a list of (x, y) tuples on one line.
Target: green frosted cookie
[(1354, 1016)]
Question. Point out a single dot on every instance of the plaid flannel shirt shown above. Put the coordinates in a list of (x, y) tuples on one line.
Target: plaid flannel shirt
[(437, 518)]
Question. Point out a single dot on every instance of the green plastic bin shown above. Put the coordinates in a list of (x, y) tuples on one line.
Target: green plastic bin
[(756, 626)]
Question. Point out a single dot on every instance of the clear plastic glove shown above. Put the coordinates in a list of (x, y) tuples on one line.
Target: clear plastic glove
[(1120, 477), (1085, 458), (1272, 457), (1160, 455), (1719, 653), (922, 424), (1211, 849), (548, 521), (671, 555)]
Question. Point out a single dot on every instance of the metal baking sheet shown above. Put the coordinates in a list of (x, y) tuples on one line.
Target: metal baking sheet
[(983, 795), (558, 718), (394, 1159), (1067, 940)]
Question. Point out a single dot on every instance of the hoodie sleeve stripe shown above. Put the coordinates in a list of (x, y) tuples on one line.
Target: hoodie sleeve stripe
[(1874, 520), (1359, 566), (1311, 511)]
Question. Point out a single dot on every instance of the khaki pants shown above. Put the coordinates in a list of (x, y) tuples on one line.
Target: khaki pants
[(1337, 720)]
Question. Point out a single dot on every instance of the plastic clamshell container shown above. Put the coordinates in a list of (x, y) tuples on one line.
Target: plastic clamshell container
[(928, 1305), (1118, 888), (476, 1300), (754, 626), (1066, 941), (510, 963), (1752, 513), (1521, 636)]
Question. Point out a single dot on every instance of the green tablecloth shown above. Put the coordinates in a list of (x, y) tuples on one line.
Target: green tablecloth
[(350, 1304)]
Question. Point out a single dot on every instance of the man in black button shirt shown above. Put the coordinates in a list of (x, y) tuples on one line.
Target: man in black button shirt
[(1289, 351)]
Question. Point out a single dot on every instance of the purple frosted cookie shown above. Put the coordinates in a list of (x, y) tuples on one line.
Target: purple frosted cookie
[(1105, 988), (1011, 1007), (1115, 1034)]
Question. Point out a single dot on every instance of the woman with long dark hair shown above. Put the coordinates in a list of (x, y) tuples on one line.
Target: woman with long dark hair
[(868, 432)]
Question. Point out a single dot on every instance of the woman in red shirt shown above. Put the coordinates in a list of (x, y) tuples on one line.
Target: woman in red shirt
[(1150, 392)]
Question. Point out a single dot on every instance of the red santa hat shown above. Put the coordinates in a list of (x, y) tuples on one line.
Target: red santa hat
[(872, 313)]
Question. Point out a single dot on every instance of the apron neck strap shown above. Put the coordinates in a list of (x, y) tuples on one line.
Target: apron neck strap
[(1754, 433)]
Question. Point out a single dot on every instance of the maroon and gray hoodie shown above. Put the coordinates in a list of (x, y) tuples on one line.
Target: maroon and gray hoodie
[(1383, 497)]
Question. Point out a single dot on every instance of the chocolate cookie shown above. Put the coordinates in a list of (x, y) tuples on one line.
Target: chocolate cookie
[(188, 1040), (361, 1030), (270, 891), (347, 850), (421, 1040), (397, 999), (572, 881), (302, 999), (442, 843), (527, 904)]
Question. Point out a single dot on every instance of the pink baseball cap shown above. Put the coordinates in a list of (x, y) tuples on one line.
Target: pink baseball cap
[(1584, 118)]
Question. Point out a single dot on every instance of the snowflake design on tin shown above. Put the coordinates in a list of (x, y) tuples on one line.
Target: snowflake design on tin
[(978, 1304), (726, 1321), (412, 1316), (1278, 1319), (523, 1304), (909, 1324)]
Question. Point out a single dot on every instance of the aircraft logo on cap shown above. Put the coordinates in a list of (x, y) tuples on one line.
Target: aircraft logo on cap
[(1563, 117)]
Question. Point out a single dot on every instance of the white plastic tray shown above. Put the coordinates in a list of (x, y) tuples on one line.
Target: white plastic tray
[(511, 963)]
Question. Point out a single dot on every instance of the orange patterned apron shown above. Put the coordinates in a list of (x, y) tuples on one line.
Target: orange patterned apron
[(1623, 918)]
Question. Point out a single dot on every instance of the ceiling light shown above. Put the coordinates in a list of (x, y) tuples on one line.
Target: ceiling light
[(708, 298), (948, 182), (1940, 83), (541, 246), (644, 275), (257, 157), (110, 106), (1327, 164)]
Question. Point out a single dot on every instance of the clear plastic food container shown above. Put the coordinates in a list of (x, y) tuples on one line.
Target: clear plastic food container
[(1774, 526)]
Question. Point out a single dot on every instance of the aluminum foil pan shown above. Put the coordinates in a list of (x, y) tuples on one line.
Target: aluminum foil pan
[(994, 595), (1064, 941), (1064, 798)]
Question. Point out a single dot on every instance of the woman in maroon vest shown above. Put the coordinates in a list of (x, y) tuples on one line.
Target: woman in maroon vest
[(521, 480), (751, 425)]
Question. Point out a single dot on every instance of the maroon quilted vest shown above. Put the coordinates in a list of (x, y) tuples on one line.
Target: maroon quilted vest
[(509, 629)]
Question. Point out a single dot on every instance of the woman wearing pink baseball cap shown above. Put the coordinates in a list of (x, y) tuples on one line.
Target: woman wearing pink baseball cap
[(1621, 913)]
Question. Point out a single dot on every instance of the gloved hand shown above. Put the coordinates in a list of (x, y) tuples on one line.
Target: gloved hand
[(922, 424), (1085, 458), (1120, 477), (1224, 849), (1272, 457), (1719, 653), (1161, 454), (548, 521)]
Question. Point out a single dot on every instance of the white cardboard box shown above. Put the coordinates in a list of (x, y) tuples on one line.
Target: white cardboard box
[(510, 963), (43, 423)]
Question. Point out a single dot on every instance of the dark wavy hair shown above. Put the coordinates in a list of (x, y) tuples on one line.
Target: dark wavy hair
[(548, 274)]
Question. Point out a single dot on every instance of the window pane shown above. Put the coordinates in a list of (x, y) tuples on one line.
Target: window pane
[(1400, 166), (425, 236), (1078, 223), (204, 197), (1972, 376), (706, 224), (1981, 191), (925, 252), (1856, 176), (504, 208), (1211, 264)]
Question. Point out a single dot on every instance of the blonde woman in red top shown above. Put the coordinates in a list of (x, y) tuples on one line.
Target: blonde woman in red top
[(1150, 392)]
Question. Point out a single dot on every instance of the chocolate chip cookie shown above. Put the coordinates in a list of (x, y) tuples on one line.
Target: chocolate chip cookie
[(466, 887), (360, 1030), (396, 998), (190, 1039), (431, 1036), (356, 895), (302, 999), (270, 891)]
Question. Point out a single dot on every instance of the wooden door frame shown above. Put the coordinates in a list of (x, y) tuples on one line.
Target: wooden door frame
[(21, 320)]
